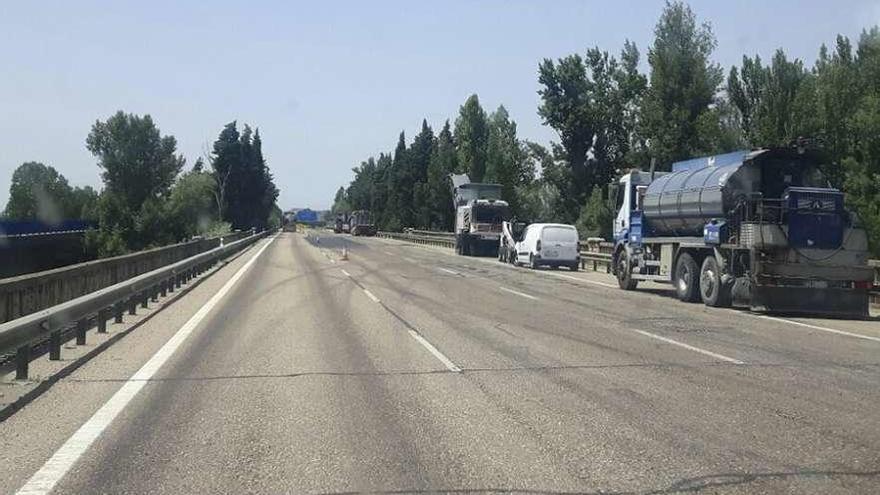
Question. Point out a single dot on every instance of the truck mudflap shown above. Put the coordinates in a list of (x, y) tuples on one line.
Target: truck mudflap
[(838, 303)]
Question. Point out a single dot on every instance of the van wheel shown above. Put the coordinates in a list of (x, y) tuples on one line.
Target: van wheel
[(713, 292), (532, 263), (624, 272), (687, 279), (574, 267)]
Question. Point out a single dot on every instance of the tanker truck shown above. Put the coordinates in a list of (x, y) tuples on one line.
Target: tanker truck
[(479, 211), (758, 228)]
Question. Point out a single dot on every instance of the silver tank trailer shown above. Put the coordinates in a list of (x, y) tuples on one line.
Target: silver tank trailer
[(680, 203)]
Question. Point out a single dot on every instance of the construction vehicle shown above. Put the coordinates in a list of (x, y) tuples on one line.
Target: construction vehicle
[(479, 212), (341, 225), (760, 228), (361, 223)]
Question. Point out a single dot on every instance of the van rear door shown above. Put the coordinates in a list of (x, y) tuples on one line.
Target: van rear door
[(559, 242)]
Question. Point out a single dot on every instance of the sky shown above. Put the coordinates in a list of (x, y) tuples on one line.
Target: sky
[(328, 83)]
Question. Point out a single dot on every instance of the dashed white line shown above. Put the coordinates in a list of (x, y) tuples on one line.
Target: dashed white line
[(433, 350), (823, 329), (66, 456), (689, 347), (518, 293), (345, 273), (389, 253), (451, 272), (371, 295)]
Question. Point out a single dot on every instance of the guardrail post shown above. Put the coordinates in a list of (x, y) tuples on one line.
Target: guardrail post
[(132, 305), (154, 293), (163, 288), (177, 281), (55, 346), (117, 309), (22, 360), (102, 320), (81, 326), (145, 297)]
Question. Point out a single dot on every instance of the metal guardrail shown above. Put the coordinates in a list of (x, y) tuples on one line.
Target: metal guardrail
[(424, 237), (21, 334)]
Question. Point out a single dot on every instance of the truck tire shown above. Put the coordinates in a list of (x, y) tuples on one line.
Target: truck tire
[(687, 278), (713, 291), (624, 272)]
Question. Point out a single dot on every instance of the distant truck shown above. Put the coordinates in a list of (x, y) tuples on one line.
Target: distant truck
[(479, 212), (761, 228), (341, 224), (361, 223)]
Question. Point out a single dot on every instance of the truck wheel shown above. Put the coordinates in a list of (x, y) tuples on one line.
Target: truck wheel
[(687, 278), (712, 290), (532, 263), (624, 272)]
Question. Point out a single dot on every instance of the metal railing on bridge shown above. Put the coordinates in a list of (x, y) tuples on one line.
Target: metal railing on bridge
[(96, 307)]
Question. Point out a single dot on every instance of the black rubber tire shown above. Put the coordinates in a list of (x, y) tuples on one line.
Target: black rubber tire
[(624, 272), (687, 278), (574, 267), (713, 292), (532, 264)]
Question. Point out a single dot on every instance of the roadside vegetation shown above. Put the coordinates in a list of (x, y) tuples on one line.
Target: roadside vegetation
[(610, 117), (148, 199)]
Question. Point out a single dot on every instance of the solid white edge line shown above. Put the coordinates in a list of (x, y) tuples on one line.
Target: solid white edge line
[(823, 329), (433, 350), (371, 295), (345, 273), (689, 347), (518, 293), (45, 479)]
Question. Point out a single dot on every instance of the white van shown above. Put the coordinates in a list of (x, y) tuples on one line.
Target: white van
[(550, 244)]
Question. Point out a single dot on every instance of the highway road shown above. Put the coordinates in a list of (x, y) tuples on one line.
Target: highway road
[(405, 369)]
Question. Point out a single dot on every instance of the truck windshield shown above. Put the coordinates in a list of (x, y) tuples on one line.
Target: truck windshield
[(490, 214), (559, 234)]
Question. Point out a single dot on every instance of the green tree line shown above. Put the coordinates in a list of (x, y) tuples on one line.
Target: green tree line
[(147, 199), (610, 117)]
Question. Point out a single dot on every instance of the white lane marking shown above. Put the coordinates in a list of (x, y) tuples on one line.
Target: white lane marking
[(689, 347), (447, 270), (579, 279), (332, 260), (371, 295), (64, 458), (521, 294), (389, 253), (433, 350), (345, 273), (824, 329)]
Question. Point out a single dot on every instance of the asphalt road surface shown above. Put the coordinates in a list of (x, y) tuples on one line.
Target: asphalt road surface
[(406, 369)]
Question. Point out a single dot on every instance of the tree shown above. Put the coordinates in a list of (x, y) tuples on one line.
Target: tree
[(683, 88), (191, 204), (595, 217), (765, 98), (38, 192), (137, 162), (442, 164), (507, 160), (246, 192), (471, 136)]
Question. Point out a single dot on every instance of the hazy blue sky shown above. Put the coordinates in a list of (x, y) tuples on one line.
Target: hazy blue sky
[(327, 83)]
